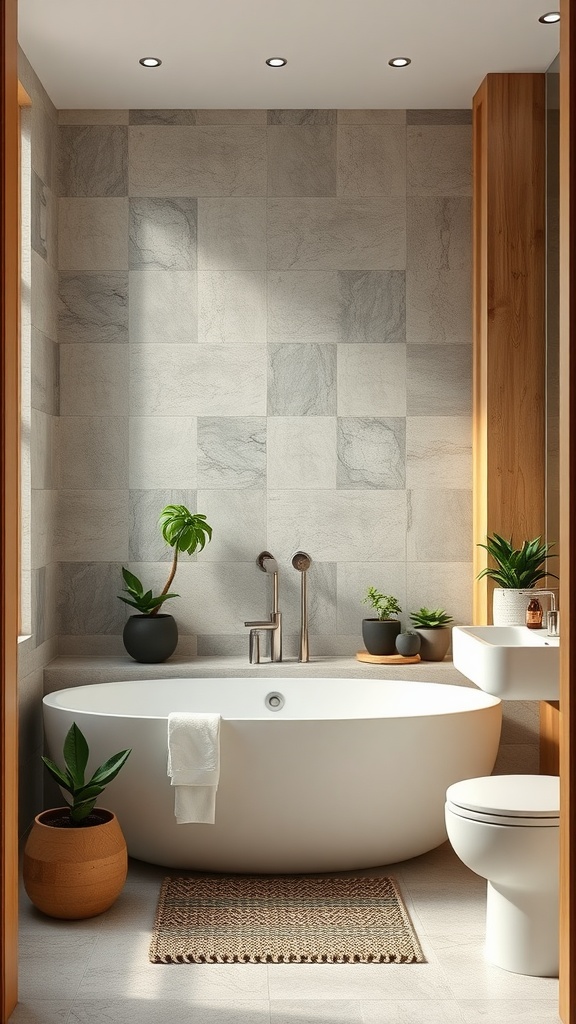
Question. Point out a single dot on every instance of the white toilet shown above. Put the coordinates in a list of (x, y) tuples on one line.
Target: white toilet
[(505, 828)]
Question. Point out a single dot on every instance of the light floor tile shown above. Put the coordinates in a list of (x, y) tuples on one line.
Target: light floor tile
[(177, 1011), (42, 1011), (358, 981), (509, 1011), (310, 1011), (411, 1011), (51, 967)]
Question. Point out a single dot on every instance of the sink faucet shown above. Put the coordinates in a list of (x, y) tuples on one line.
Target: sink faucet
[(267, 563), (542, 593)]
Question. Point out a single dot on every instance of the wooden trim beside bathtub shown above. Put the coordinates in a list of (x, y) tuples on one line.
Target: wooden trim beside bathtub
[(567, 514), (9, 471), (508, 315)]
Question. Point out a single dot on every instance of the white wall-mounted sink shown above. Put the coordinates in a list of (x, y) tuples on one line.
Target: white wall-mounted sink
[(511, 662)]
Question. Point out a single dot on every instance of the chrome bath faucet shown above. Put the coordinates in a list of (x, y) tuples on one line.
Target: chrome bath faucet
[(267, 563)]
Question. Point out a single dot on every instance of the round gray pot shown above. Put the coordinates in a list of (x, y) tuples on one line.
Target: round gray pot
[(434, 642), (150, 638), (379, 635), (408, 644)]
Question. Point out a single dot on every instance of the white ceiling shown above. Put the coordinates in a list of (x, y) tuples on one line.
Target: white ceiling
[(86, 52)]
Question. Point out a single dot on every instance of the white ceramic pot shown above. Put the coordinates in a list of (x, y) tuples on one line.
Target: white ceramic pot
[(509, 607)]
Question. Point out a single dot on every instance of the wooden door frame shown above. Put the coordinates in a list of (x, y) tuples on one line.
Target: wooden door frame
[(9, 514)]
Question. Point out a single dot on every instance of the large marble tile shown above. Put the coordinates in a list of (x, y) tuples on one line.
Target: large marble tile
[(93, 234), (43, 523), (336, 234), (229, 513), (307, 1011), (162, 452), (232, 234), (45, 374), (210, 160), (353, 581), (371, 452), (439, 525), (338, 526), (445, 585), (93, 308), (439, 160), (93, 116), (301, 380), (163, 306), (93, 380), (87, 598), (371, 380), (132, 1009), (232, 306), (439, 380), (92, 526), (230, 380), (301, 117), (439, 451), (438, 271), (302, 452), (301, 161), (470, 976), (348, 306), (232, 452), (43, 450), (357, 981), (412, 1011), (372, 160), (146, 543), (44, 221), (58, 965), (509, 1011), (43, 297), (231, 116), (163, 234), (162, 116), (93, 160), (371, 116), (93, 452), (443, 116)]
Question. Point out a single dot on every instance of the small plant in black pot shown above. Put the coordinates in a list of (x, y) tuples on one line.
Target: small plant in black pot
[(432, 626), (75, 858), (152, 635), (379, 633)]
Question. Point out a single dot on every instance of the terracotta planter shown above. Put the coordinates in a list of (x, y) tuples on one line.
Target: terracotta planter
[(379, 635), (434, 643), (74, 872)]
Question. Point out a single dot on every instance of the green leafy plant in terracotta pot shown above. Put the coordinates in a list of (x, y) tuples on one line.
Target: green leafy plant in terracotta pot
[(379, 633), (515, 570), (152, 635), (75, 858), (433, 628)]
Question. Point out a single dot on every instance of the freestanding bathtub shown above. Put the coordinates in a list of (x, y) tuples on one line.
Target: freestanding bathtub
[(348, 773)]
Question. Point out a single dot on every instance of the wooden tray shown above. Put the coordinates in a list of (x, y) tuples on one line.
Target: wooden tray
[(387, 659)]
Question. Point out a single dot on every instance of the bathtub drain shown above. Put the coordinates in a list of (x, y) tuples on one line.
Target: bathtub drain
[(274, 701)]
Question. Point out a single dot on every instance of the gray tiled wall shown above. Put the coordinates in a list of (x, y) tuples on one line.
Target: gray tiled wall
[(266, 315)]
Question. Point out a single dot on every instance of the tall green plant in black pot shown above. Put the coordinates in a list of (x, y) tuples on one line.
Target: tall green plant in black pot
[(152, 635), (379, 634)]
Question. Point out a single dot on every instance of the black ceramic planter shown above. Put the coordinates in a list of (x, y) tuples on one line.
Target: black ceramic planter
[(150, 638), (379, 635)]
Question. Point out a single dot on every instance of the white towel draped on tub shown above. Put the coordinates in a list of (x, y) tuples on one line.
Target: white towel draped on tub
[(194, 765)]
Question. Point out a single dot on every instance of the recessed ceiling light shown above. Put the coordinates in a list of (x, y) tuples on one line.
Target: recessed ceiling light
[(551, 18), (399, 62), (276, 62), (150, 62)]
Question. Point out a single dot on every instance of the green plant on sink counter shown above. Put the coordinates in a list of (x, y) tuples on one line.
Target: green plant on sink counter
[(517, 568), (151, 636), (379, 633), (385, 607), (432, 624), (428, 618)]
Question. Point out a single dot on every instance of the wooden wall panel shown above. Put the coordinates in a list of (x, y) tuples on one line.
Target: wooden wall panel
[(9, 463), (509, 315), (567, 514)]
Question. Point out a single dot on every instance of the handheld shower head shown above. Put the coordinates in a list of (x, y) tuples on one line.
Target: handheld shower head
[(266, 562), (301, 561)]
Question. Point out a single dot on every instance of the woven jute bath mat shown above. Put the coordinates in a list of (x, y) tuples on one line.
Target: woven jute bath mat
[(282, 919)]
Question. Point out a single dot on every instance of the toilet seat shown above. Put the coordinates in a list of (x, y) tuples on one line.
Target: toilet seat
[(527, 801)]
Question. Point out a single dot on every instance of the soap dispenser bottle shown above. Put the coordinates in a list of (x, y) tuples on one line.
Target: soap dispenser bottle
[(534, 614)]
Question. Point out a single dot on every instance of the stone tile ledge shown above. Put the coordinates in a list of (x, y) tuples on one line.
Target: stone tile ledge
[(67, 671)]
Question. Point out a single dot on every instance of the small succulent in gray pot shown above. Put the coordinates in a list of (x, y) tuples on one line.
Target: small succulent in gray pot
[(379, 634), (432, 626), (408, 643), (152, 636)]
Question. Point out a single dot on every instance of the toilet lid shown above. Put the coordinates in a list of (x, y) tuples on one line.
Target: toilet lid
[(507, 799)]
